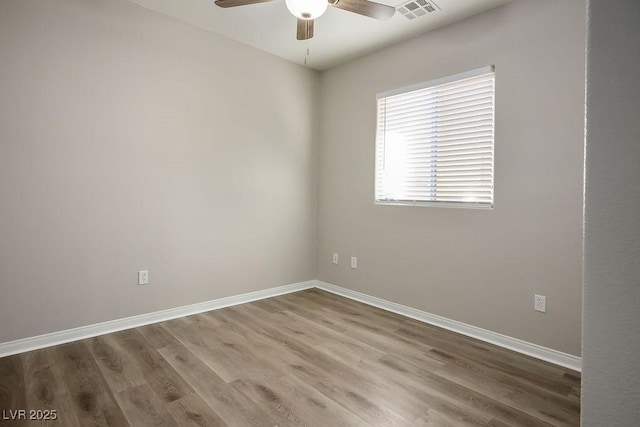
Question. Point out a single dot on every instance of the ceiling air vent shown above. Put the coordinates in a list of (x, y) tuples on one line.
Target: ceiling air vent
[(416, 8)]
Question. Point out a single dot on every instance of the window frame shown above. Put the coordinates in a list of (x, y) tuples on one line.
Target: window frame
[(425, 85)]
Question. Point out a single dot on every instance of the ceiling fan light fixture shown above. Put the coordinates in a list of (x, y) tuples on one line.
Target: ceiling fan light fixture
[(306, 9)]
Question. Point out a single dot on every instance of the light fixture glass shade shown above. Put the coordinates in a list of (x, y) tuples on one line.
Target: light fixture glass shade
[(306, 9)]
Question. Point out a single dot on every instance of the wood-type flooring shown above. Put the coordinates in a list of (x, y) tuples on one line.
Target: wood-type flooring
[(308, 358)]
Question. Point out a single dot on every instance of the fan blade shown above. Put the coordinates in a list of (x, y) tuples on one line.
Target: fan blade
[(234, 3), (366, 8), (305, 29)]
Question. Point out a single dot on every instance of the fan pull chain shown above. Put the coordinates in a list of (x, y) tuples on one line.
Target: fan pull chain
[(306, 48)]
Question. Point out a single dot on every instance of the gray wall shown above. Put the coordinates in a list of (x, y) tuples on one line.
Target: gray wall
[(481, 267), (131, 141), (611, 372)]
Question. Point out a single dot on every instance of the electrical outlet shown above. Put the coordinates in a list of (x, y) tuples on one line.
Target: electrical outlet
[(335, 258), (354, 262), (540, 303), (143, 277)]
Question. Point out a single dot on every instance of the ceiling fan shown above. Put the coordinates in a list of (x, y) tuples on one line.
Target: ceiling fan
[(308, 10)]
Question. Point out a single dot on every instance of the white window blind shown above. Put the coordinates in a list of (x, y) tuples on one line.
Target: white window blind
[(434, 142)]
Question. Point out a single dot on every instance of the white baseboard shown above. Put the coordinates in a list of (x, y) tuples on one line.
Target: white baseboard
[(534, 350), (61, 337)]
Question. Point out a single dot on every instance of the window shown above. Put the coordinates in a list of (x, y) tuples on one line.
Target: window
[(434, 142)]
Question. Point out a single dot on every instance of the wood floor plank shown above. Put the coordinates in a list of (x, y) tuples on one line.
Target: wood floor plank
[(163, 379), (241, 358), (116, 365), (331, 377), (307, 358), (43, 389), (10, 365), (435, 418), (404, 402), (39, 359), (192, 411), (352, 310), (384, 339), (142, 407), (447, 397), (13, 397), (353, 353), (222, 351), (93, 401), (483, 352), (157, 336), (312, 333), (232, 406), (346, 395), (296, 403), (263, 393), (544, 404), (46, 390)]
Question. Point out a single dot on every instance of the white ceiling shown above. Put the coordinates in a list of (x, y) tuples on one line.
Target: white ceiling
[(339, 35)]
